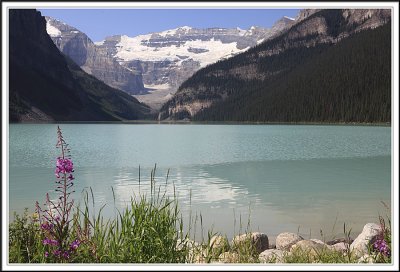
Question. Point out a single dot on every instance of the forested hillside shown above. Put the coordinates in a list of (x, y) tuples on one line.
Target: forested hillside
[(332, 66), (348, 82)]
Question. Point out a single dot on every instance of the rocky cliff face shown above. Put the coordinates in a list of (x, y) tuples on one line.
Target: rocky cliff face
[(93, 59), (311, 28), (45, 85)]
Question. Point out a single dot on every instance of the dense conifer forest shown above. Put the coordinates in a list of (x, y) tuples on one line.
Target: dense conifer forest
[(347, 81)]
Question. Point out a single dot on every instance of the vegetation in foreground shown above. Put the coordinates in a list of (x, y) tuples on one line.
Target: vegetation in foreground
[(149, 230)]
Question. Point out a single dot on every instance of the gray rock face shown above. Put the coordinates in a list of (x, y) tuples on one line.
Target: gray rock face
[(367, 237), (286, 239), (305, 13), (93, 59)]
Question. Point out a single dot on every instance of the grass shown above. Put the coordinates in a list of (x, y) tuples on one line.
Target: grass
[(148, 230)]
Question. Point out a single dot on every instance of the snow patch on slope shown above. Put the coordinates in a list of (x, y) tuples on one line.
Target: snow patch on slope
[(52, 31), (135, 49)]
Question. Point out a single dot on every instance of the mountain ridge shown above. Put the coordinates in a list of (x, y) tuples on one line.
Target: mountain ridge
[(45, 85), (267, 60)]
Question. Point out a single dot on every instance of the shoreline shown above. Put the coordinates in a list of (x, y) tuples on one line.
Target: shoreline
[(182, 122)]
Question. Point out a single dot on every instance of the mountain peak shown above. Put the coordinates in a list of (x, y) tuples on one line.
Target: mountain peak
[(185, 27)]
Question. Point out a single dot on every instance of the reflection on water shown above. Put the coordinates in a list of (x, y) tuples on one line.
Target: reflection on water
[(275, 195)]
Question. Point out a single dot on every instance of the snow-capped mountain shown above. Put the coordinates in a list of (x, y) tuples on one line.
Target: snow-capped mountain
[(203, 46), (164, 59), (169, 57)]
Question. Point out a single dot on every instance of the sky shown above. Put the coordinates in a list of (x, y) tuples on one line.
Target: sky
[(100, 23)]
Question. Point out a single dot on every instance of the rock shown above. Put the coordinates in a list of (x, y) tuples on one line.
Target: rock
[(360, 245), (272, 255), (257, 239), (286, 239), (218, 242), (229, 257), (310, 247), (342, 247)]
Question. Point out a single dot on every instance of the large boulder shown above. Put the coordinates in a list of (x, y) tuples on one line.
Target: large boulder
[(272, 256), (256, 239), (367, 237), (286, 239)]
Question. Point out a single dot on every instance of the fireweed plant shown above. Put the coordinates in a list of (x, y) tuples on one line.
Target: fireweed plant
[(55, 219), (381, 246)]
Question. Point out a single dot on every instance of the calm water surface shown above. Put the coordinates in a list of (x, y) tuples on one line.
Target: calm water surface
[(281, 177)]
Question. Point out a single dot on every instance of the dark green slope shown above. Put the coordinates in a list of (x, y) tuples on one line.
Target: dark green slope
[(320, 70), (346, 82), (42, 78)]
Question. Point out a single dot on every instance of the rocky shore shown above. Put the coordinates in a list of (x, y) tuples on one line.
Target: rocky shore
[(286, 244)]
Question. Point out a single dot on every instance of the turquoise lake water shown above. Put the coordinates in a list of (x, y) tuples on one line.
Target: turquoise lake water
[(298, 178)]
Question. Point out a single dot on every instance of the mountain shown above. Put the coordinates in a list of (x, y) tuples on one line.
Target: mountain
[(168, 58), (45, 85), (329, 66), (93, 59)]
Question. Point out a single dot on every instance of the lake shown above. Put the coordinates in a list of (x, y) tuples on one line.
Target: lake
[(297, 178)]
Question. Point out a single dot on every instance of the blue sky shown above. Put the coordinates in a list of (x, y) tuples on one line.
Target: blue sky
[(100, 23)]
